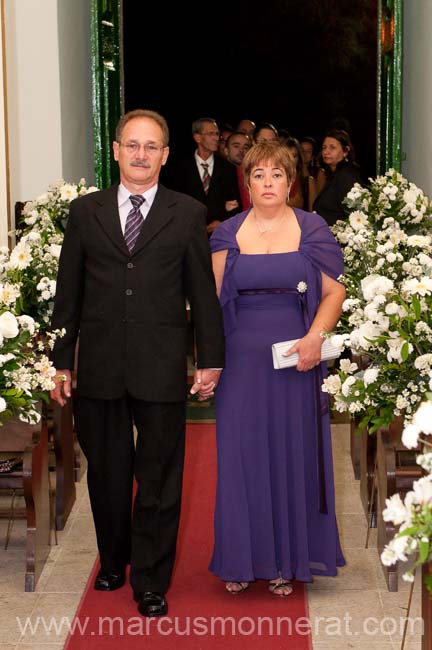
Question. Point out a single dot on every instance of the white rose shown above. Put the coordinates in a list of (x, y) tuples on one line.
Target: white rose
[(346, 386), (388, 556), (395, 510), (410, 436), (392, 308), (8, 325), (423, 490), (375, 284), (423, 417), (424, 259), (370, 376), (3, 405)]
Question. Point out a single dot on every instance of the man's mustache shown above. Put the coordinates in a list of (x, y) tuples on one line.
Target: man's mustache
[(140, 163)]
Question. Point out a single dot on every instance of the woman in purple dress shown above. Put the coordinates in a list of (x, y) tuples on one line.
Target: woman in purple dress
[(276, 271)]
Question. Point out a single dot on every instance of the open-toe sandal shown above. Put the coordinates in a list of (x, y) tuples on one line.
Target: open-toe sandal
[(240, 587), (281, 584)]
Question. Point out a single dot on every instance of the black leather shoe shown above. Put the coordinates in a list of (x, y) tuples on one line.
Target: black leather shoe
[(109, 581), (151, 603)]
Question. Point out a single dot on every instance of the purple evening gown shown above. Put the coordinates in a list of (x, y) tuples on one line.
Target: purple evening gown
[(275, 509)]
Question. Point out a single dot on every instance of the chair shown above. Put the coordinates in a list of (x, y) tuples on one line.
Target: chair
[(31, 442)]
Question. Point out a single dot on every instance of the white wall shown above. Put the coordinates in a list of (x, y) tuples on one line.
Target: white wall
[(75, 89), (417, 94), (4, 189), (49, 94), (34, 126)]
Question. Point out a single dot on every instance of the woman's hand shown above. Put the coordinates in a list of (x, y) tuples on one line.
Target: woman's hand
[(309, 350)]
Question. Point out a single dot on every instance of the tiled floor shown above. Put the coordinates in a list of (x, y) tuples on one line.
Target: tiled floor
[(353, 611)]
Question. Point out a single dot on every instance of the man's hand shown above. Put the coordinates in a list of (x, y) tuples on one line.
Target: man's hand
[(231, 205), (205, 382), (63, 388)]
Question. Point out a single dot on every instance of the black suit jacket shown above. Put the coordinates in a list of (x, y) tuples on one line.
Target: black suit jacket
[(129, 309), (184, 176)]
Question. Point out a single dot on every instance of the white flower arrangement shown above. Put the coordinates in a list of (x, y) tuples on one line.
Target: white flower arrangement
[(387, 314), (26, 373), (27, 289), (31, 267)]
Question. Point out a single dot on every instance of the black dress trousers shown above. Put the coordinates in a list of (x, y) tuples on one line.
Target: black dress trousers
[(144, 534)]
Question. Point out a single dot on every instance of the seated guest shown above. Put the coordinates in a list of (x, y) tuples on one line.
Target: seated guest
[(206, 176)]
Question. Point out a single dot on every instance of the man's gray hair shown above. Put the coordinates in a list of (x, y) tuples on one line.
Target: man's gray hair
[(141, 112), (198, 124)]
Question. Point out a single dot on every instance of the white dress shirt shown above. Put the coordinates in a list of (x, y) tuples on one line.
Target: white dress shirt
[(209, 162), (125, 204)]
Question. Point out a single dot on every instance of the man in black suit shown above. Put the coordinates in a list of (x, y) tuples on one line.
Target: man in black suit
[(220, 194), (131, 256)]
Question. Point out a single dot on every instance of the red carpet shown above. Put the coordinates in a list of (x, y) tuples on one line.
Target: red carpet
[(201, 614)]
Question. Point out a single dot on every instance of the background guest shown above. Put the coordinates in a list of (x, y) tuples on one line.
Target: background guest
[(206, 176), (341, 172)]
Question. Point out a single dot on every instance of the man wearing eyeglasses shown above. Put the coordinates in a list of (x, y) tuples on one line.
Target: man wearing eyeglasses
[(131, 256), (220, 193)]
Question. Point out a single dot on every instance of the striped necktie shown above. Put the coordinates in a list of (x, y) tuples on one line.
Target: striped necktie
[(206, 177), (134, 221)]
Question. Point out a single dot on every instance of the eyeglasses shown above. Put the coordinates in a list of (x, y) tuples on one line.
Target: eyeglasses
[(149, 147)]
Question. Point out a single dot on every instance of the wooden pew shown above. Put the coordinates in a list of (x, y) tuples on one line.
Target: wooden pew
[(368, 445), (62, 437), (30, 441), (396, 472), (356, 448), (426, 610)]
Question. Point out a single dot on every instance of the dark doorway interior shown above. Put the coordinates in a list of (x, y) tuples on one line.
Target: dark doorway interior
[(303, 65)]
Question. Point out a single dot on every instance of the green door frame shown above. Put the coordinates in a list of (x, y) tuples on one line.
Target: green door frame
[(389, 85), (107, 79)]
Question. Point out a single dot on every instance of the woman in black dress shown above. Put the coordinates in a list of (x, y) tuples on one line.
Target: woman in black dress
[(341, 172)]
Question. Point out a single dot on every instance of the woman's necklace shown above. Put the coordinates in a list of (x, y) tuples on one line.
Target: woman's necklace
[(272, 228)]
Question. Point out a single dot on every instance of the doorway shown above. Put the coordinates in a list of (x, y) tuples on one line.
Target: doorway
[(303, 66)]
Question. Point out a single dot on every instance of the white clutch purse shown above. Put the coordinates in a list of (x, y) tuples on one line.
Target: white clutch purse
[(328, 351)]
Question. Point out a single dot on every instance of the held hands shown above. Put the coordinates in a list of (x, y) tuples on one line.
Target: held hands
[(205, 382), (309, 351), (63, 388)]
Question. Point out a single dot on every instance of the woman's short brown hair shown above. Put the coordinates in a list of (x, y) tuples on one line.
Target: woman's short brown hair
[(277, 154)]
